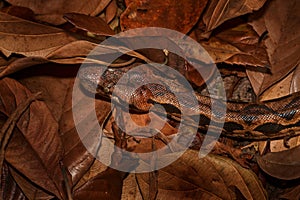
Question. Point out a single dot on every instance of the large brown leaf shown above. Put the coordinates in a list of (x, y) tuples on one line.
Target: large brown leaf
[(77, 158), (28, 38), (58, 97), (173, 14), (39, 43), (52, 11), (283, 165), (36, 149), (220, 11), (212, 177), (237, 45), (281, 19)]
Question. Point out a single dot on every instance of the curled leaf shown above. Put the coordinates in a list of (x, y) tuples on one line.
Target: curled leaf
[(283, 165)]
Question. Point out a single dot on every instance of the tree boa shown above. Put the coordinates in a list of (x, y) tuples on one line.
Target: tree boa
[(274, 119)]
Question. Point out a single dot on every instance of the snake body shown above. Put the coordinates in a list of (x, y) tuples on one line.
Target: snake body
[(271, 119)]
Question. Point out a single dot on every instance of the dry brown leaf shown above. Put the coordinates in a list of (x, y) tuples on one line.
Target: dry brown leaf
[(288, 85), (107, 185), (94, 25), (130, 189), (219, 11), (281, 19), (35, 149), (18, 11), (292, 194), (52, 11), (111, 11), (58, 97), (77, 158), (95, 169), (19, 64), (40, 44), (212, 177), (238, 45), (283, 165), (29, 189), (28, 38), (9, 188), (173, 14), (279, 145)]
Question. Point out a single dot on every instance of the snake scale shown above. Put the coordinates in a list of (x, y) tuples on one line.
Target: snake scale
[(273, 119)]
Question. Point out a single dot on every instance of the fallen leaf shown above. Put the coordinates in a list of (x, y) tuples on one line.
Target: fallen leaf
[(172, 14), (292, 194), (94, 170), (77, 158), (282, 165), (18, 11), (288, 85), (219, 11), (52, 11), (35, 149), (281, 21), (212, 177), (130, 188), (30, 190), (19, 64), (94, 25), (107, 185), (238, 45), (279, 145), (111, 11), (28, 38), (9, 188)]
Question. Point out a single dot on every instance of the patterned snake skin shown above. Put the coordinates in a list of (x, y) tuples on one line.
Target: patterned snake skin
[(272, 119)]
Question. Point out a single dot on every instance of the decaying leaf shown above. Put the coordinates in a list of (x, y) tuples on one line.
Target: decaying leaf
[(288, 85), (283, 165), (9, 188), (35, 148), (281, 20), (18, 11), (173, 14), (19, 64), (212, 177), (77, 159), (52, 11), (292, 194), (238, 45), (30, 190), (107, 185), (131, 189), (219, 11), (28, 38), (111, 11), (94, 25)]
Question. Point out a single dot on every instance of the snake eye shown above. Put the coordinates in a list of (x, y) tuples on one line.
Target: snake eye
[(106, 90)]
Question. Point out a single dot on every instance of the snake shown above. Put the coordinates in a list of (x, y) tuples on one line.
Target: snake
[(266, 120)]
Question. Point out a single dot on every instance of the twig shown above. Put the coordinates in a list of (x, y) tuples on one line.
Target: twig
[(66, 181), (7, 129)]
